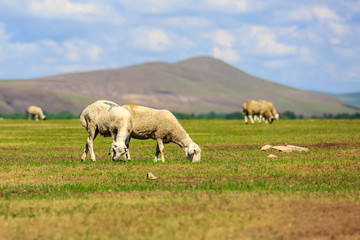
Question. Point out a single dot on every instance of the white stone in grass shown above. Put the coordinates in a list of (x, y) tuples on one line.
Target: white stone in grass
[(151, 176), (272, 156), (283, 149), (266, 147), (296, 148)]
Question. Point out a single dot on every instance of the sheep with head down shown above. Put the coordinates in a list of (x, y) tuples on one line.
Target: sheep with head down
[(162, 126), (271, 108), (36, 112), (110, 120), (253, 107)]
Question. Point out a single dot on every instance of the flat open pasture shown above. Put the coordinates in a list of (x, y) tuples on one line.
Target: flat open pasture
[(235, 192)]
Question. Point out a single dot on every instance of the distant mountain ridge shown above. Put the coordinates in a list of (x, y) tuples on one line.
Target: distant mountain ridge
[(350, 98), (196, 85)]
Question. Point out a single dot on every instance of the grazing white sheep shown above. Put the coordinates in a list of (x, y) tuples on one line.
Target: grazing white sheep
[(272, 110), (253, 107), (35, 111), (162, 126), (110, 120)]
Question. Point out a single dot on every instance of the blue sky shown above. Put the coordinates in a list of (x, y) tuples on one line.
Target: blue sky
[(311, 45)]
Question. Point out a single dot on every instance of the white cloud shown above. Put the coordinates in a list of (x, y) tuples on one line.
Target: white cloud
[(153, 6), (151, 39), (60, 7), (223, 38), (4, 36), (308, 13), (24, 48), (339, 28), (229, 5), (160, 6), (323, 13), (227, 54), (300, 14), (266, 42), (67, 9), (76, 50), (185, 22), (335, 41), (185, 42), (223, 46)]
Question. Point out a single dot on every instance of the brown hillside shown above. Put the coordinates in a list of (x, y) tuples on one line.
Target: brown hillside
[(197, 85)]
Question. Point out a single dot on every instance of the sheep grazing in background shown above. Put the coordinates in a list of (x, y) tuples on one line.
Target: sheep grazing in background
[(253, 107), (272, 110), (162, 126), (36, 112), (110, 120)]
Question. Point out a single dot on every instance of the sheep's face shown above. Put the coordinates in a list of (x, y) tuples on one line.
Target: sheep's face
[(194, 153), (117, 150), (271, 119)]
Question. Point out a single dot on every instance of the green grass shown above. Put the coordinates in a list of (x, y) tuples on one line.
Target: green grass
[(41, 177)]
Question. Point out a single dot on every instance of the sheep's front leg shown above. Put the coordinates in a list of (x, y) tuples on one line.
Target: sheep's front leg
[(251, 119), (159, 149), (246, 118), (127, 154), (258, 118)]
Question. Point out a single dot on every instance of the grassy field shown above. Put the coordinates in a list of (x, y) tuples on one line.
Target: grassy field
[(235, 192)]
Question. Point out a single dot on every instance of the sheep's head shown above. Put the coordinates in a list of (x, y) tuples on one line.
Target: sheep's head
[(194, 152), (117, 150), (271, 119)]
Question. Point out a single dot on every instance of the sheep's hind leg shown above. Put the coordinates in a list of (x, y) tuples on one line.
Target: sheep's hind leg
[(156, 153), (89, 146), (86, 150), (159, 149)]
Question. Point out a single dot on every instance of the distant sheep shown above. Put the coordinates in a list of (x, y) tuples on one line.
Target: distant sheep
[(272, 110), (162, 126), (253, 107), (36, 112), (110, 120)]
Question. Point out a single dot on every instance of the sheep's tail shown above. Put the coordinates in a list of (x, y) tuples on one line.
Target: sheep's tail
[(83, 121)]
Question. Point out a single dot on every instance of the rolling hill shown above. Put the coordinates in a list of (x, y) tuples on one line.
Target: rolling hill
[(196, 85), (351, 98)]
